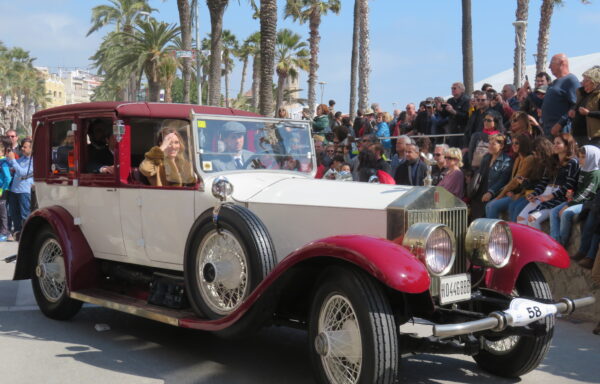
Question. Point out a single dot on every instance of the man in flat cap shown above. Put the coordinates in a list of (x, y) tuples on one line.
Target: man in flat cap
[(233, 134)]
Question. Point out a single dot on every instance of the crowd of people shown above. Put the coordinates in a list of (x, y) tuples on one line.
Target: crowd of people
[(16, 182), (526, 155)]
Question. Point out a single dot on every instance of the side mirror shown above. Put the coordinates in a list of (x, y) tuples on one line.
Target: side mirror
[(118, 130)]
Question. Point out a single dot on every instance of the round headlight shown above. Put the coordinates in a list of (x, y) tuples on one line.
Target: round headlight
[(433, 244), (489, 243)]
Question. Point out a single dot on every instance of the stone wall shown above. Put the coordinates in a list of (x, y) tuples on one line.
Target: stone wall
[(573, 282)]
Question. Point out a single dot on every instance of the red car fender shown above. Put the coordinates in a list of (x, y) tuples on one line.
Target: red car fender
[(80, 266), (529, 246), (388, 262)]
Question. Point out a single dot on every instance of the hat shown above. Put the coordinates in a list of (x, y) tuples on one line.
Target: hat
[(369, 111), (541, 89), (593, 74), (233, 127)]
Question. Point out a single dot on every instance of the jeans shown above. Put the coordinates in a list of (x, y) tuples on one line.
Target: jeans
[(515, 207), (494, 208), (560, 227), (19, 205), (587, 233)]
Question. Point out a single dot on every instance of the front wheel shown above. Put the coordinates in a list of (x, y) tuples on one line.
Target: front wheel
[(352, 332), (514, 356), (49, 280)]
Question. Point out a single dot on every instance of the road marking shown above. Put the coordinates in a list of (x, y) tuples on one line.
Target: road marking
[(21, 308)]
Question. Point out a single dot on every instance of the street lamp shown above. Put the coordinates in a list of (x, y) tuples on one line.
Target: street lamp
[(322, 84)]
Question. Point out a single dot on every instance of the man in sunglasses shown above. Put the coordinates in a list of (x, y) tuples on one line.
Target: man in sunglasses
[(14, 139), (456, 110), (475, 123), (438, 170)]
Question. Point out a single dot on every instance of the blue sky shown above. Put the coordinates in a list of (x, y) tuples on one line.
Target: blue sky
[(415, 45)]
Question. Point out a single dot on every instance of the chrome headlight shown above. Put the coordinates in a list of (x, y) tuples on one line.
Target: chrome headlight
[(433, 244), (489, 243)]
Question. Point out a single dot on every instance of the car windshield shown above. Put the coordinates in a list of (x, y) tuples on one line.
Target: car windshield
[(253, 144)]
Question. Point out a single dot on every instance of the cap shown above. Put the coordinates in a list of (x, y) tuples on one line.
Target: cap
[(541, 89), (233, 127)]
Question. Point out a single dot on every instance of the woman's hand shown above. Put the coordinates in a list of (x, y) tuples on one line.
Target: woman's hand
[(167, 141), (533, 121), (545, 198), (563, 209), (583, 111), (531, 218), (571, 113), (531, 198), (510, 194), (486, 197)]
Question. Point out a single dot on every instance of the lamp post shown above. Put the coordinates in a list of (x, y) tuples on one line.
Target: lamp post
[(322, 84)]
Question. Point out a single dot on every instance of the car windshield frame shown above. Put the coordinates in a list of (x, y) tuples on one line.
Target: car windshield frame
[(210, 148)]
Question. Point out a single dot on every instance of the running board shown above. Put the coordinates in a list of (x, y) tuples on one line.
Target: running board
[(135, 307)]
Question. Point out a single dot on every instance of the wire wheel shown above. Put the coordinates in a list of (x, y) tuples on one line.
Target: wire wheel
[(339, 341), (50, 271), (222, 265)]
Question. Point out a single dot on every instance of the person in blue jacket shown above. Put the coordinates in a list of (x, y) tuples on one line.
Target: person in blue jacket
[(5, 179), (20, 199)]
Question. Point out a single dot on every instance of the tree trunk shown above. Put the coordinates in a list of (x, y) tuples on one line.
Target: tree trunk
[(280, 85), (314, 23), (268, 38), (244, 69), (520, 47), (226, 85), (185, 16), (467, 46), (544, 35), (216, 9), (354, 60), (364, 66), (255, 82)]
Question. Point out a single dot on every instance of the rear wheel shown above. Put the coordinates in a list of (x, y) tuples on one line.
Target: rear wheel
[(352, 332), (49, 279), (514, 356)]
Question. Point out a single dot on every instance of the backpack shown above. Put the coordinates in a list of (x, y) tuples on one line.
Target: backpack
[(481, 149)]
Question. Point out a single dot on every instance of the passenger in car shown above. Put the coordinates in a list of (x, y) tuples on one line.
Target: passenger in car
[(165, 164), (233, 135), (100, 157), (60, 155)]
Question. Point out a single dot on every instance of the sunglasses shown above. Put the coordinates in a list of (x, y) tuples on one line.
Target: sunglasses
[(437, 154), (449, 158), (481, 100), (488, 120), (515, 143), (12, 136)]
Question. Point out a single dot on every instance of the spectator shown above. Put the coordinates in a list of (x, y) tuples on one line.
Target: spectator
[(475, 123), (552, 190), (381, 164), (335, 168), (561, 216), (413, 170), (332, 113), (14, 140), (523, 124), (383, 130), (456, 110), (495, 171), (363, 144), (424, 144), (20, 197), (509, 94), (478, 147), (506, 200), (358, 122), (321, 122), (532, 103), (586, 112), (407, 119), (5, 180), (439, 169), (426, 121), (367, 168), (560, 96), (320, 153), (282, 113), (336, 121), (486, 87), (399, 156), (454, 179)]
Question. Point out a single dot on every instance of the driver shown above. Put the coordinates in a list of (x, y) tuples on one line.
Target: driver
[(100, 156), (233, 134)]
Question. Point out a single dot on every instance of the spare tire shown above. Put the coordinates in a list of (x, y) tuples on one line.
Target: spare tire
[(227, 262)]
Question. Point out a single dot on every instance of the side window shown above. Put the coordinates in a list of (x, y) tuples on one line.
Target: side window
[(62, 139), (97, 152)]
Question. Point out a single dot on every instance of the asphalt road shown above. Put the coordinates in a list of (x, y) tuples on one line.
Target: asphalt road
[(134, 350)]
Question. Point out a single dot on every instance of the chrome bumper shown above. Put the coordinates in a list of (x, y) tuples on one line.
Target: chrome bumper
[(498, 321)]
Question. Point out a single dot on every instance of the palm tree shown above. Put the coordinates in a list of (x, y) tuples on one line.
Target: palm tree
[(520, 39), (230, 46), (544, 33), (467, 46), (290, 56), (148, 50), (168, 73), (123, 14), (254, 44), (247, 49), (354, 60), (364, 68), (216, 9), (185, 16), (311, 11), (268, 36)]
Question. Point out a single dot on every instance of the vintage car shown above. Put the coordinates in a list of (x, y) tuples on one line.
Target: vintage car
[(211, 218)]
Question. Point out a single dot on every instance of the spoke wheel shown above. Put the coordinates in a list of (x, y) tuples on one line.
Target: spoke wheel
[(49, 278), (514, 356), (352, 333), (222, 265)]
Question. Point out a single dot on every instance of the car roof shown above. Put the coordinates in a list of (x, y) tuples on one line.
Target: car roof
[(141, 109)]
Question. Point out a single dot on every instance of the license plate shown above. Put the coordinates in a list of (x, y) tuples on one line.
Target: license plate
[(455, 288)]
